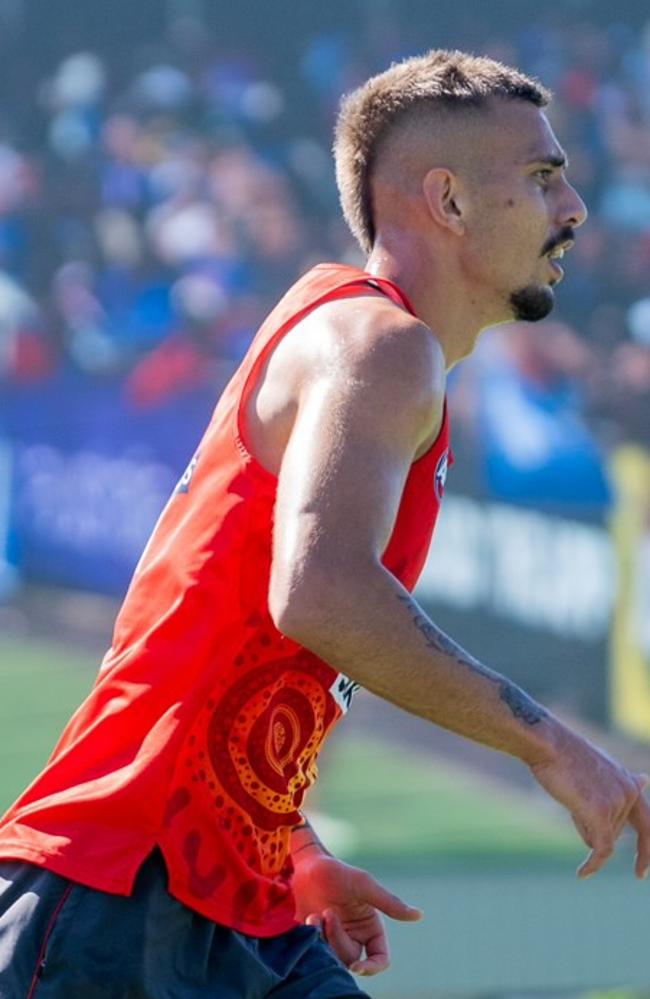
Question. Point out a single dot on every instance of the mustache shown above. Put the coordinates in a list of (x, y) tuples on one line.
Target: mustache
[(565, 234)]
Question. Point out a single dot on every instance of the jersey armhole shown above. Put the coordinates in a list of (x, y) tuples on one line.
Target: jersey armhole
[(347, 290)]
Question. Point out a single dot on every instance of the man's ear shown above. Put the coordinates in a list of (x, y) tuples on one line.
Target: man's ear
[(445, 199)]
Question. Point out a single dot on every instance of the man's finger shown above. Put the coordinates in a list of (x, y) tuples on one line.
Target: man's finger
[(371, 966), (377, 957), (639, 819), (641, 782), (345, 948), (596, 859), (384, 900)]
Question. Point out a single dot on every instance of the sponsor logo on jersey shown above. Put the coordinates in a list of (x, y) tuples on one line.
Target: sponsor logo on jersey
[(343, 690), (185, 479), (440, 476)]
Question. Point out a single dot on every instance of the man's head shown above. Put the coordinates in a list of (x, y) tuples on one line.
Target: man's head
[(456, 150)]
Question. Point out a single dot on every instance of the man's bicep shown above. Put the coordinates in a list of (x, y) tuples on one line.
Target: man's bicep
[(346, 462), (341, 479)]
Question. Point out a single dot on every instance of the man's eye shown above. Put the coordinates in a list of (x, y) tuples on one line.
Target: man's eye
[(544, 174)]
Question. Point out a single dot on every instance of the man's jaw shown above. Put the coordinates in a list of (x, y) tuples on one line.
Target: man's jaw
[(532, 302)]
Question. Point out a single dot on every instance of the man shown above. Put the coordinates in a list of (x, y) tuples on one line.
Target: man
[(233, 657)]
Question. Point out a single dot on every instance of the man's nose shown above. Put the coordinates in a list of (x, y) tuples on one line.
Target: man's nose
[(574, 210)]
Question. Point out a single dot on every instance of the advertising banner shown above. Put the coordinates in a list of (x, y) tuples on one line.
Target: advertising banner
[(529, 593), (91, 475)]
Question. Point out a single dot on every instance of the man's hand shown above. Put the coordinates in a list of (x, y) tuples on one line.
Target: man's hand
[(601, 796), (346, 903)]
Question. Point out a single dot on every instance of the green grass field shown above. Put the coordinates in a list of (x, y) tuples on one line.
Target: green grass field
[(407, 805), (397, 806), (40, 685)]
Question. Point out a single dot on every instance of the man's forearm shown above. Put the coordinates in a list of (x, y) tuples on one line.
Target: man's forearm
[(371, 629), (521, 705)]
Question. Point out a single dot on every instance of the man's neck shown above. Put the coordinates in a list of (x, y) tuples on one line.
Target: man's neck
[(439, 296)]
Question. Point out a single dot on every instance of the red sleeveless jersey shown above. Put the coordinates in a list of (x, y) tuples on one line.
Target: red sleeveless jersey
[(202, 730)]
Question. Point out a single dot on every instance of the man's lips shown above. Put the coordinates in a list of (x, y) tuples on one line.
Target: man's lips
[(558, 250), (557, 270), (556, 253)]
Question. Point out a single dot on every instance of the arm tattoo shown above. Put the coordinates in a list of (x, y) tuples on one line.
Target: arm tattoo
[(312, 840), (521, 705)]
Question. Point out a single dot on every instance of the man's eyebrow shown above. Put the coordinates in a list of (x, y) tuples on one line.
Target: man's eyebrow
[(558, 160)]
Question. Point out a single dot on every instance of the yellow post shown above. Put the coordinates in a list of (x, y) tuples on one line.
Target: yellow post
[(630, 643)]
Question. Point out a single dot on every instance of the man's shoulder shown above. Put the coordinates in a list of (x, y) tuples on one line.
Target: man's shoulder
[(367, 336), (362, 350)]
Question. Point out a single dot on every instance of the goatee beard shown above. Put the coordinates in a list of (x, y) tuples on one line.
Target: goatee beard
[(532, 303)]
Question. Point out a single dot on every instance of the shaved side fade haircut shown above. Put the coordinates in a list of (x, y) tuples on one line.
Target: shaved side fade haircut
[(440, 81)]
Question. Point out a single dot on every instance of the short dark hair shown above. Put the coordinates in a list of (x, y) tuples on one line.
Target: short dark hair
[(439, 79)]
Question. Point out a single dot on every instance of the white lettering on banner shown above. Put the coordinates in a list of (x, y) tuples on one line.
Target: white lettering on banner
[(343, 690), (524, 566), (90, 502)]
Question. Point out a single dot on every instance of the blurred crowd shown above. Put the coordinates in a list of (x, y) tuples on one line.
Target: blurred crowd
[(151, 213)]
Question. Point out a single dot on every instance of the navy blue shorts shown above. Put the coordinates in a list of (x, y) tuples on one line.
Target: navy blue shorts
[(62, 940)]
